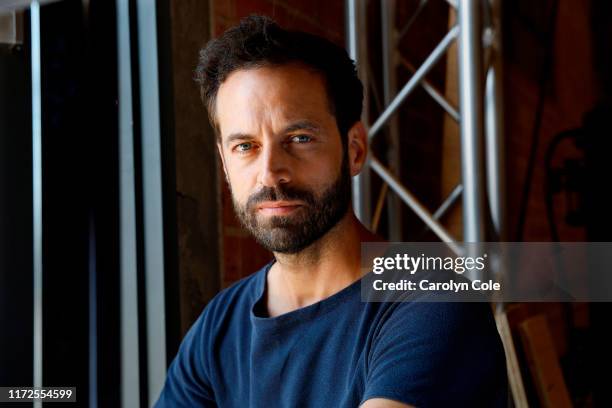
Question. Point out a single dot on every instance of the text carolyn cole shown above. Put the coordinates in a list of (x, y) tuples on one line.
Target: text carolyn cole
[(425, 285), (412, 264)]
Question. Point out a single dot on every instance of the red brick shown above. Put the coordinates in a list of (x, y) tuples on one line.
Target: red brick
[(229, 216), (255, 256), (248, 7), (224, 8), (294, 20), (232, 256), (221, 25), (332, 21)]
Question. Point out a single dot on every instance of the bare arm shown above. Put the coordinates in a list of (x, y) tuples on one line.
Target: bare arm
[(384, 403)]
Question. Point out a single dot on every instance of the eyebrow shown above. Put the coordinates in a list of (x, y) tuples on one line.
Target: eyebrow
[(301, 125), (296, 126), (237, 136)]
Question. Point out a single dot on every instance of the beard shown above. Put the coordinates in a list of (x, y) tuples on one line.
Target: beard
[(291, 233)]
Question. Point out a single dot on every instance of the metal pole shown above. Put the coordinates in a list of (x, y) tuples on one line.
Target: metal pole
[(427, 65), (130, 359), (389, 44), (433, 92), (152, 197), (448, 202), (471, 124), (446, 205), (419, 209), (413, 17), (37, 198), (357, 49), (495, 130)]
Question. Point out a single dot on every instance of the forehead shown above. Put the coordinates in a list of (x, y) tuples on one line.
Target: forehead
[(270, 95)]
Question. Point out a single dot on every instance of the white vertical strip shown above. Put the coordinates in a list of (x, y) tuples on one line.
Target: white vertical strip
[(130, 379), (152, 197), (357, 49), (37, 196), (494, 121), (351, 17), (469, 59)]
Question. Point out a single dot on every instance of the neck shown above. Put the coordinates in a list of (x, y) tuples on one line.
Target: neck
[(325, 267)]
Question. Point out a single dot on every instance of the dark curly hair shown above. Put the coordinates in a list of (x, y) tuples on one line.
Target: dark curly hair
[(258, 41)]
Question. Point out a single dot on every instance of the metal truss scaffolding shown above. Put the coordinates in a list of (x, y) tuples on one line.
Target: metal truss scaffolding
[(479, 116)]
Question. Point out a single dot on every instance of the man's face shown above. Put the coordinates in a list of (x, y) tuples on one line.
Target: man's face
[(283, 155)]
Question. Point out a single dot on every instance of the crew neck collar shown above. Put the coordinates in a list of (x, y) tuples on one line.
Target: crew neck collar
[(298, 316)]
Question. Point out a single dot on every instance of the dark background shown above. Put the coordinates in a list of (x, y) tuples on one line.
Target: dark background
[(557, 82)]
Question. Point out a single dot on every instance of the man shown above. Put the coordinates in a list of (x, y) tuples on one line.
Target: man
[(286, 108)]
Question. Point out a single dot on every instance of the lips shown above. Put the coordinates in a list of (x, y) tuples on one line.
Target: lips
[(278, 207)]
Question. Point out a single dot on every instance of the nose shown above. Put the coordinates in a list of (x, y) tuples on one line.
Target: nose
[(274, 166)]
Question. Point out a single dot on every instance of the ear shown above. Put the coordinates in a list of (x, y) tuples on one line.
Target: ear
[(220, 150), (357, 141)]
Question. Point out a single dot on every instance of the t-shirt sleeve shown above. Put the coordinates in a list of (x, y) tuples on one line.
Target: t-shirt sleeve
[(187, 382), (438, 354)]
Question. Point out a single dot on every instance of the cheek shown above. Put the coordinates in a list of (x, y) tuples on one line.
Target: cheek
[(332, 162), (322, 172), (241, 183)]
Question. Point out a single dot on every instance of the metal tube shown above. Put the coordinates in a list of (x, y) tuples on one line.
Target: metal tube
[(412, 19), (446, 205), (418, 208), (129, 347), (495, 129), (351, 31), (470, 97), (357, 49), (442, 101), (389, 53), (427, 65), (37, 233), (152, 198), (449, 202), (494, 155), (434, 93)]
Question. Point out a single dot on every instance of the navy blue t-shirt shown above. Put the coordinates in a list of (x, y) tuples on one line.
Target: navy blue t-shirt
[(338, 352)]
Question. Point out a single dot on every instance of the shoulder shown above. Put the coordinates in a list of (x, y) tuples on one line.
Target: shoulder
[(230, 305), (190, 376), (443, 325), (422, 347), (235, 299), (245, 289), (429, 313)]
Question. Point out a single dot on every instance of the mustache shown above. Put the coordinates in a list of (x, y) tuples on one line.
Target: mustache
[(279, 193)]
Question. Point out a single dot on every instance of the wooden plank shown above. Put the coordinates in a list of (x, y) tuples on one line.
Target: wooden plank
[(555, 316), (543, 362), (514, 370)]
